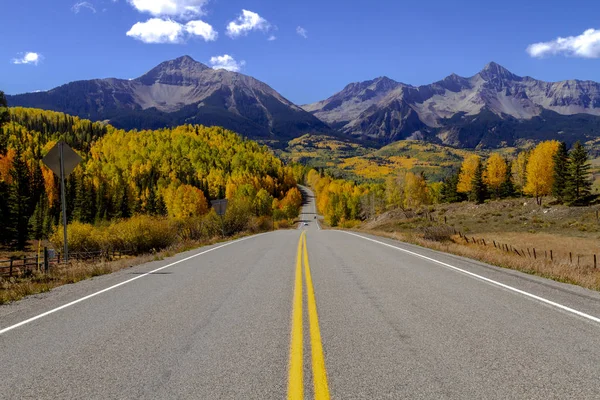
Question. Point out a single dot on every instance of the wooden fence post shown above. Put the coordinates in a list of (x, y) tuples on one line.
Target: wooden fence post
[(551, 257), (534, 255), (571, 257), (46, 261), (594, 261), (11, 267), (528, 252), (484, 242)]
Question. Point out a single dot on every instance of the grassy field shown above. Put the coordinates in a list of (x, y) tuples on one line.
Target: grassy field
[(571, 233)]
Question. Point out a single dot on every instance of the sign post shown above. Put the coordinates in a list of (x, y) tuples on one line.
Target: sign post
[(62, 160), (220, 207)]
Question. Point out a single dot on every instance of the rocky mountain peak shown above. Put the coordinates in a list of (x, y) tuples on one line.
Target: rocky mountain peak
[(493, 71), (181, 71)]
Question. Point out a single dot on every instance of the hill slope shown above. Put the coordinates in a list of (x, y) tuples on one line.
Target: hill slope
[(177, 92)]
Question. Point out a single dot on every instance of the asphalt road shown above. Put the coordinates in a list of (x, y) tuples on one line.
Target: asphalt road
[(305, 313)]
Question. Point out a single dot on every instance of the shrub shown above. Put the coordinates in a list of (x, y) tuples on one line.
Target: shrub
[(142, 233), (82, 238), (438, 233), (283, 224), (237, 216)]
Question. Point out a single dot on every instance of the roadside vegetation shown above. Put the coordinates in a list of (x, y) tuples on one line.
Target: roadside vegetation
[(139, 192), (534, 210)]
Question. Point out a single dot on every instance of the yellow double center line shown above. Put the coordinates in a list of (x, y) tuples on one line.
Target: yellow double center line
[(296, 376)]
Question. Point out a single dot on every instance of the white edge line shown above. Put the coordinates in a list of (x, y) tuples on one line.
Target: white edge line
[(120, 284), (493, 282)]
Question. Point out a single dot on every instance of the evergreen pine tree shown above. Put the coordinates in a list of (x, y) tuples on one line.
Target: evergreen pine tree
[(102, 205), (4, 118), (121, 203), (6, 233), (38, 219), (449, 192), (561, 173), (19, 200), (161, 207), (151, 201), (71, 195), (507, 189), (479, 190), (37, 180), (83, 210), (579, 184), (49, 223)]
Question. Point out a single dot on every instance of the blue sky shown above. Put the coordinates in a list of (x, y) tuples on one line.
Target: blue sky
[(338, 42)]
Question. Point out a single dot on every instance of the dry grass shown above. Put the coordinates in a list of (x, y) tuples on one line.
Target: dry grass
[(584, 276), (518, 223), (560, 245), (15, 288)]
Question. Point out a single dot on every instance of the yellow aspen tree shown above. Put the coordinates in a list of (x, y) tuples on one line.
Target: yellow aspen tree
[(540, 170), (495, 172), (185, 201), (394, 190), (519, 170), (467, 172), (415, 190)]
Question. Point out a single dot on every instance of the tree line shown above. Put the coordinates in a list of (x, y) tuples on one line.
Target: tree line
[(548, 169)]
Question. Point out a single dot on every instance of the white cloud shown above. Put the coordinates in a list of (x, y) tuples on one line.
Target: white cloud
[(83, 4), (245, 23), (28, 58), (302, 32), (157, 30), (172, 8), (586, 45), (226, 62), (201, 28), (271, 38)]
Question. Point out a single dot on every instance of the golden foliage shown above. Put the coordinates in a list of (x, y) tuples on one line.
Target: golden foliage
[(495, 171), (519, 169), (467, 172), (185, 201), (540, 169)]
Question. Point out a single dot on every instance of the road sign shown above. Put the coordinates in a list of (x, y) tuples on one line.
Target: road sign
[(62, 160), (220, 206), (71, 159)]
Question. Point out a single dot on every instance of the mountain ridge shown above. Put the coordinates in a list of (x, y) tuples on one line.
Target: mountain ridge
[(181, 91), (400, 111)]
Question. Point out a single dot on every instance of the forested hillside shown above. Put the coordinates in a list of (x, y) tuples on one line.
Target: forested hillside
[(171, 172)]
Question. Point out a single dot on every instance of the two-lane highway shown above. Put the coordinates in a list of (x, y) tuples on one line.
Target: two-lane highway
[(306, 313)]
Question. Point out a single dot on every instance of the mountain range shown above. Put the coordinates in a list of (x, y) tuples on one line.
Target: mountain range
[(490, 109), (493, 108), (177, 92)]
